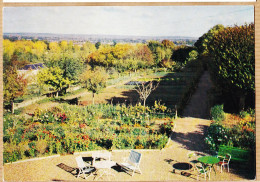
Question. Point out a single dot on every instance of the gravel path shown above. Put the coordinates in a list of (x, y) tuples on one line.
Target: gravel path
[(198, 104)]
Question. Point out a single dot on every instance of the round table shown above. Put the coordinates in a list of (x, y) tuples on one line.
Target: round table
[(211, 160)]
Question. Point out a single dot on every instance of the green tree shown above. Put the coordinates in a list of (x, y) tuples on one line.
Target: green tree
[(14, 86), (97, 45), (233, 63), (203, 42), (53, 77), (94, 80)]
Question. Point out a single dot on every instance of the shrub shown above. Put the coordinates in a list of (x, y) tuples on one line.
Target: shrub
[(217, 113), (41, 146)]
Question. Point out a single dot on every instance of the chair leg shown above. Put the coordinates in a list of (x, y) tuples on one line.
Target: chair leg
[(79, 173), (133, 172)]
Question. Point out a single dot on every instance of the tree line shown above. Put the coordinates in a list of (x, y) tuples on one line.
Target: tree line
[(89, 64)]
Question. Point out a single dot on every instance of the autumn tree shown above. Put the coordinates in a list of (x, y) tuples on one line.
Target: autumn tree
[(168, 44), (94, 80), (53, 77), (14, 86), (233, 63)]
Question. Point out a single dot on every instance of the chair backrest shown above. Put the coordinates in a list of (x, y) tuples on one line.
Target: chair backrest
[(200, 168), (228, 157), (80, 162), (135, 157)]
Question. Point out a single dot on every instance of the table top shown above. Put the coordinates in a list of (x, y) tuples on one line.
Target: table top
[(209, 160), (104, 164)]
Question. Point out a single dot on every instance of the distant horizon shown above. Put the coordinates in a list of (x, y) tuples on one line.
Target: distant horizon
[(155, 21), (97, 34)]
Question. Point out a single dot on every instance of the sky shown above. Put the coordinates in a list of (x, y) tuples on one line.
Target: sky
[(191, 21)]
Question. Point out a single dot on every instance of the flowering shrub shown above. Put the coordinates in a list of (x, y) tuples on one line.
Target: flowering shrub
[(241, 135), (166, 128)]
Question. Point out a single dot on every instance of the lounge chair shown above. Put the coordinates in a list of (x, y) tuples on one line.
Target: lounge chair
[(83, 168), (132, 163)]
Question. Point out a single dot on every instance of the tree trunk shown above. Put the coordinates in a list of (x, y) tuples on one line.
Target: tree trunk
[(93, 97), (12, 107), (57, 93), (242, 100), (144, 102)]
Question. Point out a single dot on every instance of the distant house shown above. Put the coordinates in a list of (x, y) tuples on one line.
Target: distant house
[(30, 71)]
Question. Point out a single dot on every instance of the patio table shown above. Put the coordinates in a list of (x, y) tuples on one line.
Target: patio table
[(104, 167), (211, 160)]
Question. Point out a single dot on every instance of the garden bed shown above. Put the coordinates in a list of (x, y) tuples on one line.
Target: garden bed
[(68, 129)]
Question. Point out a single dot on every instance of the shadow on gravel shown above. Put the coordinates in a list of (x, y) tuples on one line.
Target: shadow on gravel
[(193, 140), (68, 169)]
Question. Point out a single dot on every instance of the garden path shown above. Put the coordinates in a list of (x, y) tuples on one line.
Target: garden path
[(198, 106)]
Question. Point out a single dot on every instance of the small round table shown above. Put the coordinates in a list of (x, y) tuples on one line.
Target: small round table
[(105, 166), (211, 160)]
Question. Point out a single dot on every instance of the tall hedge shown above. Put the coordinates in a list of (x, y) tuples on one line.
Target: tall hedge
[(233, 62)]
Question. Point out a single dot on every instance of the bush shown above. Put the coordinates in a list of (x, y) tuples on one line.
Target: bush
[(217, 113), (241, 135)]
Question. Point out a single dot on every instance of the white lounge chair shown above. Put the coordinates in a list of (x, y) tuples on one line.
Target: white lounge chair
[(132, 163), (83, 168)]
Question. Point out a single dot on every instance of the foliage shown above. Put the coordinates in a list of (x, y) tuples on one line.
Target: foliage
[(14, 86), (203, 42), (68, 129), (217, 113), (184, 54), (94, 80), (53, 77), (234, 59), (241, 135)]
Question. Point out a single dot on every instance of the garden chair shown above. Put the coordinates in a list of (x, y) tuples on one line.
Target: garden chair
[(224, 161), (191, 156), (132, 163), (83, 168), (203, 171)]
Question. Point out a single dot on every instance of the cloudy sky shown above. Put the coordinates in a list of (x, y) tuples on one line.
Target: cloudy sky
[(124, 20)]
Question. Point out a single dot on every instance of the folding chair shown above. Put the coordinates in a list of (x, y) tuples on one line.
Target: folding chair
[(83, 168), (133, 162)]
